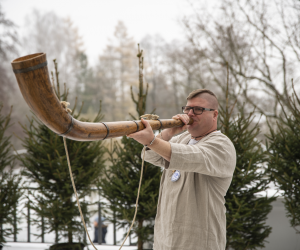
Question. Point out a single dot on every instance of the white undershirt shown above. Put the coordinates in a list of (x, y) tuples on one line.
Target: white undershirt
[(193, 141)]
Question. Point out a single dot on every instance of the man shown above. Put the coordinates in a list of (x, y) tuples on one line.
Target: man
[(198, 167), (104, 230)]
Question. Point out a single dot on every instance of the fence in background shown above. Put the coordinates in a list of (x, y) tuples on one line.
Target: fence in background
[(28, 215)]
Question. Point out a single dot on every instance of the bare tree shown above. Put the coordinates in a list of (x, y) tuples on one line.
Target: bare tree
[(9, 93), (185, 71), (125, 51), (8, 40), (115, 73), (260, 41), (105, 86), (59, 39), (159, 99), (173, 70), (8, 35)]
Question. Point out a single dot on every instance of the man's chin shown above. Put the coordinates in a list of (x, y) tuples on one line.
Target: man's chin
[(192, 129)]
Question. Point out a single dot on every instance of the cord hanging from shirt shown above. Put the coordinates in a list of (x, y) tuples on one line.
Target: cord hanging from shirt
[(203, 135)]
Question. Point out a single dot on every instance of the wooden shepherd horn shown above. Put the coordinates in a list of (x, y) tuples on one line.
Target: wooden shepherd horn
[(33, 78)]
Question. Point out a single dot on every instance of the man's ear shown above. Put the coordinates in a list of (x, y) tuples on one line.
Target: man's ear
[(216, 114)]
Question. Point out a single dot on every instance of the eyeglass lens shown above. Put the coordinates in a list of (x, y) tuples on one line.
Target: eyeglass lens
[(196, 110)]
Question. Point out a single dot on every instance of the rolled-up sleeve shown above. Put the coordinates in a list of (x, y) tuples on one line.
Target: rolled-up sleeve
[(155, 159), (214, 157)]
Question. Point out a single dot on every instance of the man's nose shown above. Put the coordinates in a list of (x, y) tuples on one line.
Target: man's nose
[(191, 112)]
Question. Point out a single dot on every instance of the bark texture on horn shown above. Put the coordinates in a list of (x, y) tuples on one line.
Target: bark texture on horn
[(32, 74)]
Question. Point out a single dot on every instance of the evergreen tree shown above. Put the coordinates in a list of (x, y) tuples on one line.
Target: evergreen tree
[(284, 160), (9, 182), (45, 165), (247, 210), (121, 185)]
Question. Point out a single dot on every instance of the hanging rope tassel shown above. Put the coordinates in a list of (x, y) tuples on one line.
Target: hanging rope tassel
[(65, 104)]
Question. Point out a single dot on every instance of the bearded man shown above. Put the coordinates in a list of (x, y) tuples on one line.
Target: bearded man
[(198, 168)]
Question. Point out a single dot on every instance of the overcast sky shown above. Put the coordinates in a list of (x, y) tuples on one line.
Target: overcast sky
[(96, 19)]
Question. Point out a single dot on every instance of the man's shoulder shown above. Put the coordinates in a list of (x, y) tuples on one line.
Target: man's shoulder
[(218, 137)]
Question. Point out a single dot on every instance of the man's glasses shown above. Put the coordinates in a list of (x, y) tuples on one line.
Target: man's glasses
[(197, 110)]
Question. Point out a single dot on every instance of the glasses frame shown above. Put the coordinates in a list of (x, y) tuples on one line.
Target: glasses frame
[(193, 108)]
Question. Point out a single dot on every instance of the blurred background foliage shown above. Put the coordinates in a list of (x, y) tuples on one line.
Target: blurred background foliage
[(256, 41)]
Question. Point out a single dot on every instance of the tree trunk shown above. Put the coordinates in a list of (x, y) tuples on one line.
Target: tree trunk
[(153, 97), (140, 242), (176, 101), (70, 235), (56, 235)]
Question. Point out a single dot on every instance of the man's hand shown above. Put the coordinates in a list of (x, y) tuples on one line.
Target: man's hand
[(144, 136), (170, 132)]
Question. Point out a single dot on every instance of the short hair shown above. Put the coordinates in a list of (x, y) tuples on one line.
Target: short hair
[(198, 92)]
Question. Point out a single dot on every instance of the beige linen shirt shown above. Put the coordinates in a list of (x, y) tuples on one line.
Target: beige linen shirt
[(191, 212)]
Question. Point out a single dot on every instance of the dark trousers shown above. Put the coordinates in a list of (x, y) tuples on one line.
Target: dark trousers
[(104, 231)]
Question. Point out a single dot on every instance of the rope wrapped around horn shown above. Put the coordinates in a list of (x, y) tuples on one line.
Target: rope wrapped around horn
[(34, 82)]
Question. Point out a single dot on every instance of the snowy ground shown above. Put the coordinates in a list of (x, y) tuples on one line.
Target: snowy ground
[(45, 246), (22, 236), (49, 238)]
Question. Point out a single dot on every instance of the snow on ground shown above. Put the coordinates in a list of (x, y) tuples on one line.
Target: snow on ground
[(49, 238), (45, 246)]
